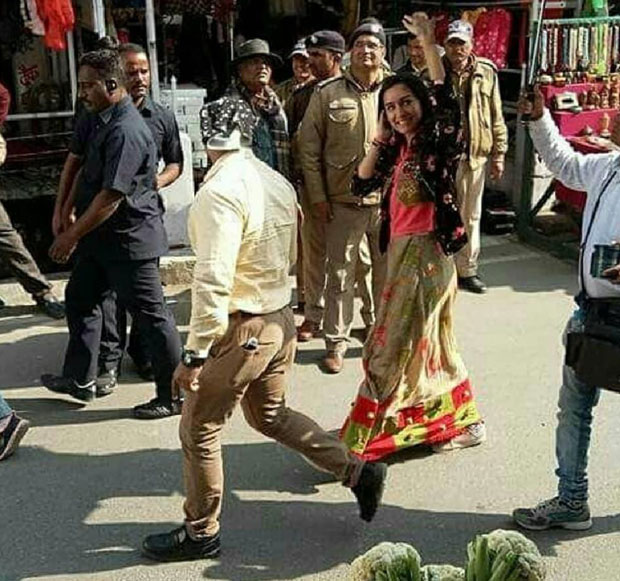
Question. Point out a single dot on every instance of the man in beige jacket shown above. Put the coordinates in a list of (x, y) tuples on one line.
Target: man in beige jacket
[(475, 80), (241, 345), (334, 135)]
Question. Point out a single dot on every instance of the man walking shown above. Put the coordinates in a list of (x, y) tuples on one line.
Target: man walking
[(598, 299), (162, 123), (255, 106), (241, 344), (119, 236), (334, 134), (486, 137), (14, 253)]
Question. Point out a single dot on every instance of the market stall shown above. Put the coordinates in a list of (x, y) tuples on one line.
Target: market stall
[(577, 67)]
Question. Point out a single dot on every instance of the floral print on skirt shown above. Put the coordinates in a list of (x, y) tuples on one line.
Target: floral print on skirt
[(416, 389)]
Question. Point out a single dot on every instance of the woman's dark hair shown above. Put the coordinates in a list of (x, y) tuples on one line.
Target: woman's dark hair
[(420, 92)]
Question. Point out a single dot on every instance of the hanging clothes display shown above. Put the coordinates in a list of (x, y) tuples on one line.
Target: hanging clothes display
[(492, 35), (218, 9), (58, 19), (30, 14)]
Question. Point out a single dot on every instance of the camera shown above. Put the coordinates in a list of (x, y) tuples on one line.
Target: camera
[(604, 256)]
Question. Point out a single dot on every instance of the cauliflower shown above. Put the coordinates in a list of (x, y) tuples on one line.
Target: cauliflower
[(442, 573), (502, 556), (529, 560), (387, 562)]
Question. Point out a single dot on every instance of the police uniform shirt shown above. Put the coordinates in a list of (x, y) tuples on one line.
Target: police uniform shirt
[(163, 126), (120, 155)]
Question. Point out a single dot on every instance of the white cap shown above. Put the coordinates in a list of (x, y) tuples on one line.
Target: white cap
[(460, 29)]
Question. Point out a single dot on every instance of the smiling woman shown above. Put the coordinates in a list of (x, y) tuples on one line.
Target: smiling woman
[(416, 387)]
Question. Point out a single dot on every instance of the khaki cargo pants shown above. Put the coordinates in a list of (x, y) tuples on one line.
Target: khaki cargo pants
[(344, 235), (257, 378), (469, 190), (313, 238)]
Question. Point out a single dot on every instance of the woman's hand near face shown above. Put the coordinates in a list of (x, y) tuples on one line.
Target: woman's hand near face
[(383, 131)]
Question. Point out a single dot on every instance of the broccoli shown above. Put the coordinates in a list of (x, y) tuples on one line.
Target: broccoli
[(442, 573), (387, 562)]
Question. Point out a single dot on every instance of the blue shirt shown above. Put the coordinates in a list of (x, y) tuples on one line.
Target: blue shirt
[(120, 155)]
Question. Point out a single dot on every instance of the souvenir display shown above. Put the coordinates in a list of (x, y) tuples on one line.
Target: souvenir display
[(603, 125), (580, 45)]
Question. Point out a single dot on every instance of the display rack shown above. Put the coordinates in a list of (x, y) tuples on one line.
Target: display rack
[(529, 209)]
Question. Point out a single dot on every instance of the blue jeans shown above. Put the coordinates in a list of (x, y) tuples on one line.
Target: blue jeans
[(576, 403), (5, 408)]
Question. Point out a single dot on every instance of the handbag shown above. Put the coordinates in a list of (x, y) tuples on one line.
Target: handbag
[(594, 353)]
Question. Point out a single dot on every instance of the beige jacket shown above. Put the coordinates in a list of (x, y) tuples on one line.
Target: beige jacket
[(334, 136), (487, 135), (243, 230)]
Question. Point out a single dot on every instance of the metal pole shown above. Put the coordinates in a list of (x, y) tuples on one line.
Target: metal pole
[(152, 48), (99, 14), (72, 68)]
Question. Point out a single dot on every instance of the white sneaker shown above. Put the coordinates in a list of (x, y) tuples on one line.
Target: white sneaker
[(472, 435)]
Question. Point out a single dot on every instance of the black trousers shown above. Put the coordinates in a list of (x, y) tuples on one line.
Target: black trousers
[(18, 259), (114, 336), (137, 286)]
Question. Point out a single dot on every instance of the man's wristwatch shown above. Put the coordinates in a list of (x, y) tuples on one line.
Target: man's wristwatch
[(191, 358)]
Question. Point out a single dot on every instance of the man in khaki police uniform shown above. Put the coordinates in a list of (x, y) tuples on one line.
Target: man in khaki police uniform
[(325, 50), (486, 136), (334, 136)]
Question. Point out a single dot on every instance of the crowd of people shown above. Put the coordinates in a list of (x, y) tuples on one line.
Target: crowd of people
[(388, 170)]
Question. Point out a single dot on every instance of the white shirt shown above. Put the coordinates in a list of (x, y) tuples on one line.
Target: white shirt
[(590, 173), (243, 230)]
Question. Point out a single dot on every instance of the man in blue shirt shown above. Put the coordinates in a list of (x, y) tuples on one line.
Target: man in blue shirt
[(118, 237), (163, 125)]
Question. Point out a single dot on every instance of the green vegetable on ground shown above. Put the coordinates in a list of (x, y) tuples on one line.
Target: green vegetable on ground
[(442, 573), (387, 562), (503, 556)]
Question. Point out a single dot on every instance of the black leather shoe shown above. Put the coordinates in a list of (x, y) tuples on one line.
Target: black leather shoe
[(106, 382), (369, 489), (473, 284), (177, 546), (60, 384), (50, 305), (156, 409)]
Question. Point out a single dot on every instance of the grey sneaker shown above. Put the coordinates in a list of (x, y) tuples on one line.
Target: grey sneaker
[(472, 435), (553, 513)]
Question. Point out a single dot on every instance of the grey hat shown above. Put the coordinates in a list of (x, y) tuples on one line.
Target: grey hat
[(372, 28), (256, 47), (327, 39)]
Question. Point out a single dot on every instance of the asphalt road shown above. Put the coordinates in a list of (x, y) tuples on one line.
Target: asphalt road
[(89, 482)]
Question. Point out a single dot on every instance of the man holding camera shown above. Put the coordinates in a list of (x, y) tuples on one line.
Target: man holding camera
[(591, 361)]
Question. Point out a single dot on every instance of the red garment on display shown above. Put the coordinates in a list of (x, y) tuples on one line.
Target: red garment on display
[(492, 34), (58, 19), (442, 21)]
